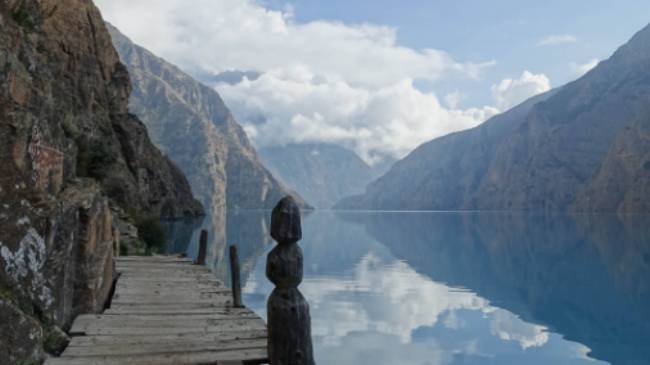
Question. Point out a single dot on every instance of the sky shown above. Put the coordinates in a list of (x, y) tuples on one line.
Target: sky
[(377, 76)]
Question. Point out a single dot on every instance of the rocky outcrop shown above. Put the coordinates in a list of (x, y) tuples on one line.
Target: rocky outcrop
[(553, 153), (623, 180), (69, 152), (191, 123), (322, 173)]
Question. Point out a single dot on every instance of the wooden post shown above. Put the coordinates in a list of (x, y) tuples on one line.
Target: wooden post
[(289, 322), (203, 247), (235, 278)]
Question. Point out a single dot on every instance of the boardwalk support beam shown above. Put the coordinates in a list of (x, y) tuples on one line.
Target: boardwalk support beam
[(203, 248), (235, 278), (289, 322)]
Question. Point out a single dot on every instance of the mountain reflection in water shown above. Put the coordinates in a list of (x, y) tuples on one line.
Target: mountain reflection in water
[(459, 288)]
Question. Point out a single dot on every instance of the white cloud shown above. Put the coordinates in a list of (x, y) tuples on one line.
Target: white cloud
[(321, 80), (453, 99), (222, 35), (557, 39), (509, 327), (580, 69), (510, 92), (300, 106)]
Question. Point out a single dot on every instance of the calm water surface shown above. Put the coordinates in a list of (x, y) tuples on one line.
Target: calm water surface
[(457, 288)]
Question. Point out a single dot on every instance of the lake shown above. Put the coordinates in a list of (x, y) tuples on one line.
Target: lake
[(456, 288)]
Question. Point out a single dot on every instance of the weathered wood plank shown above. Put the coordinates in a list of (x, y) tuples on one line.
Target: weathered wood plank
[(202, 357), (162, 259), (163, 311), (86, 341), (196, 344), (166, 310), (170, 297), (84, 322)]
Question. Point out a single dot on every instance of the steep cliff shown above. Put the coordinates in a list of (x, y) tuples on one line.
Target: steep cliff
[(69, 153), (553, 153), (321, 173), (190, 122)]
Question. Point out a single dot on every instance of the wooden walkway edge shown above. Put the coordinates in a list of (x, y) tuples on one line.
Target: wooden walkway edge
[(167, 311)]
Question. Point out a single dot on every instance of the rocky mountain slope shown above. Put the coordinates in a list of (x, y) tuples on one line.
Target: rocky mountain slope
[(190, 122), (583, 147), (322, 173), (69, 153)]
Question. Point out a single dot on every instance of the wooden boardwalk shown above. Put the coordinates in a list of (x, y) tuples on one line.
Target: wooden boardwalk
[(167, 311)]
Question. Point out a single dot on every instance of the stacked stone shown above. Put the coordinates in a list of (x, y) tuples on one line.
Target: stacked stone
[(289, 322)]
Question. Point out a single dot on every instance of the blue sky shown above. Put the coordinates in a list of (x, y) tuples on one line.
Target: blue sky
[(507, 31), (378, 77)]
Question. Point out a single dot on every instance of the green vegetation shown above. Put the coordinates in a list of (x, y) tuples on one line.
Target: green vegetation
[(6, 293), (93, 157), (21, 16), (54, 340), (152, 232)]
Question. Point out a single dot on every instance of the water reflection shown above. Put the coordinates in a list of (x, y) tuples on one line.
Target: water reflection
[(471, 288)]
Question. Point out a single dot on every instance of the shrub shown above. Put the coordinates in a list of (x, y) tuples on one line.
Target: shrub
[(152, 232)]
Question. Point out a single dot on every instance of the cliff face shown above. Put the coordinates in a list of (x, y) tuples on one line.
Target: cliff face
[(190, 122), (69, 151), (623, 180), (321, 173), (553, 153)]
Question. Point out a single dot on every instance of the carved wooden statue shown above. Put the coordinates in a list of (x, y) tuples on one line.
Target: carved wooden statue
[(289, 323)]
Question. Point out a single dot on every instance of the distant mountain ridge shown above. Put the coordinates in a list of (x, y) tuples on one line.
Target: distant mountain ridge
[(322, 173), (191, 123), (582, 147)]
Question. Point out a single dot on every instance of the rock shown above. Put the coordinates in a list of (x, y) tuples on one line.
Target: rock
[(56, 340), (69, 152), (21, 336), (193, 126)]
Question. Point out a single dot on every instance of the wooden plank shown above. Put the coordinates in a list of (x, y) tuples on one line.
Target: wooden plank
[(82, 326), (167, 311), (226, 326), (86, 341), (196, 344), (180, 303), (154, 258), (163, 311), (202, 357), (169, 296)]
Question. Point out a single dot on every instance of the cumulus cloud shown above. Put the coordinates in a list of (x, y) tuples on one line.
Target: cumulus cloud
[(557, 39), (325, 81), (510, 92), (509, 327), (580, 69), (297, 105)]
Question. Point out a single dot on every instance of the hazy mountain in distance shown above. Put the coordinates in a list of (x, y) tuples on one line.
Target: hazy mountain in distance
[(582, 147), (192, 125), (321, 173)]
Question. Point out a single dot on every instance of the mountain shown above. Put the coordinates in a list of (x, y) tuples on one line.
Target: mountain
[(192, 125), (582, 147), (321, 173), (69, 154)]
